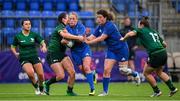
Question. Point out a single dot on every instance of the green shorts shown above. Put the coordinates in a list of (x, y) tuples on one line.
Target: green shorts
[(158, 58), (53, 57), (32, 60)]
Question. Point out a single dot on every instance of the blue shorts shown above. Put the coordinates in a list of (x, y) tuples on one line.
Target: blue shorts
[(121, 55), (78, 56)]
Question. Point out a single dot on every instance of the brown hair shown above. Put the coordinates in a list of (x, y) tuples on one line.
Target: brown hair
[(61, 16), (22, 21), (145, 21), (105, 14)]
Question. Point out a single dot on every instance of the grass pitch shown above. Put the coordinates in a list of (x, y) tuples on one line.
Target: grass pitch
[(117, 92)]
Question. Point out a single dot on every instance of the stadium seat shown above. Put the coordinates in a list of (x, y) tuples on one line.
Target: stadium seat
[(48, 13), (132, 6), (18, 29), (34, 6), (7, 13), (176, 56), (50, 23), (73, 6), (7, 5), (170, 62), (85, 13), (131, 14), (48, 32), (21, 13), (61, 6), (21, 6), (9, 23), (58, 12), (89, 23), (10, 40), (35, 29), (8, 32), (47, 6), (34, 13), (121, 7)]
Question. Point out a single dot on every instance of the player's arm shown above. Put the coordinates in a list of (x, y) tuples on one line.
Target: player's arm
[(98, 39), (162, 42), (91, 37), (129, 34), (67, 35), (42, 43), (13, 47)]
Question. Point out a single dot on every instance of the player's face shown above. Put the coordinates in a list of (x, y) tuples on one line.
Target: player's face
[(65, 20), (27, 25), (73, 20), (127, 22), (100, 19)]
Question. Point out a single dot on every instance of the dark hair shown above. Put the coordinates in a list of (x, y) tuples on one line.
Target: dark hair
[(61, 16), (105, 14), (126, 17), (145, 21), (22, 21)]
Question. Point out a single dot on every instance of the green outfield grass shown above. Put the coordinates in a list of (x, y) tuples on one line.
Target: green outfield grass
[(117, 91)]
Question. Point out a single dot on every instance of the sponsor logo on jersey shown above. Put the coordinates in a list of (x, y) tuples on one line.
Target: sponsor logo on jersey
[(32, 39), (123, 59), (22, 41), (55, 60)]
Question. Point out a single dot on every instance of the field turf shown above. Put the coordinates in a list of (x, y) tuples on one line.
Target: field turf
[(117, 92)]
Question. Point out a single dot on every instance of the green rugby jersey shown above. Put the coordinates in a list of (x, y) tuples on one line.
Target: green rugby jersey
[(149, 38), (55, 41), (27, 44)]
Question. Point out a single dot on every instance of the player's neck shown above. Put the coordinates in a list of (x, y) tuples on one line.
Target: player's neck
[(25, 32)]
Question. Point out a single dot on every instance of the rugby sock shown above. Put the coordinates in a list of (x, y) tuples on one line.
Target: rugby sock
[(106, 84), (50, 81), (156, 89), (134, 74), (69, 89), (41, 88), (170, 85), (35, 85), (89, 77)]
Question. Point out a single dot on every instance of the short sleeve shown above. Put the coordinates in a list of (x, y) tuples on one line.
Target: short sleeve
[(15, 42), (136, 30), (108, 29), (38, 38), (97, 32)]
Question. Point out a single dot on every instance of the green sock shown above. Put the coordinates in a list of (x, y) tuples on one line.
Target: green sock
[(156, 89), (52, 80), (69, 89), (41, 88), (35, 85), (170, 85)]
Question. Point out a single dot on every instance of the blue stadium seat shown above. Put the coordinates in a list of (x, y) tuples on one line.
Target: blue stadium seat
[(8, 32), (89, 23), (21, 13), (48, 32), (34, 6), (48, 13), (145, 13), (85, 13), (34, 13), (47, 6), (9, 23), (50, 23), (132, 7), (7, 13), (58, 12), (10, 40), (35, 29), (121, 7), (21, 6), (18, 29), (61, 6), (7, 5), (35, 23), (73, 6), (131, 14)]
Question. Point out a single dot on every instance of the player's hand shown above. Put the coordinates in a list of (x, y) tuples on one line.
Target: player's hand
[(17, 55), (88, 30), (122, 39), (64, 41), (81, 38), (44, 49)]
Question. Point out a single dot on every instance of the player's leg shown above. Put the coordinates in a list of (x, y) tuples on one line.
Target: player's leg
[(40, 73), (167, 80), (28, 68), (59, 72), (89, 74), (147, 73), (108, 65), (68, 65)]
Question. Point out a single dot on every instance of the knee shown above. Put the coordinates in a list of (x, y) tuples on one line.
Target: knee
[(87, 69), (60, 76)]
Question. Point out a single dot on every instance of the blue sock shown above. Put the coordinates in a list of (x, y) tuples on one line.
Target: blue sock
[(106, 84), (89, 77), (134, 74)]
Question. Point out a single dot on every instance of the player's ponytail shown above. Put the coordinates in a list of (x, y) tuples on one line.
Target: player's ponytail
[(110, 17), (145, 21)]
